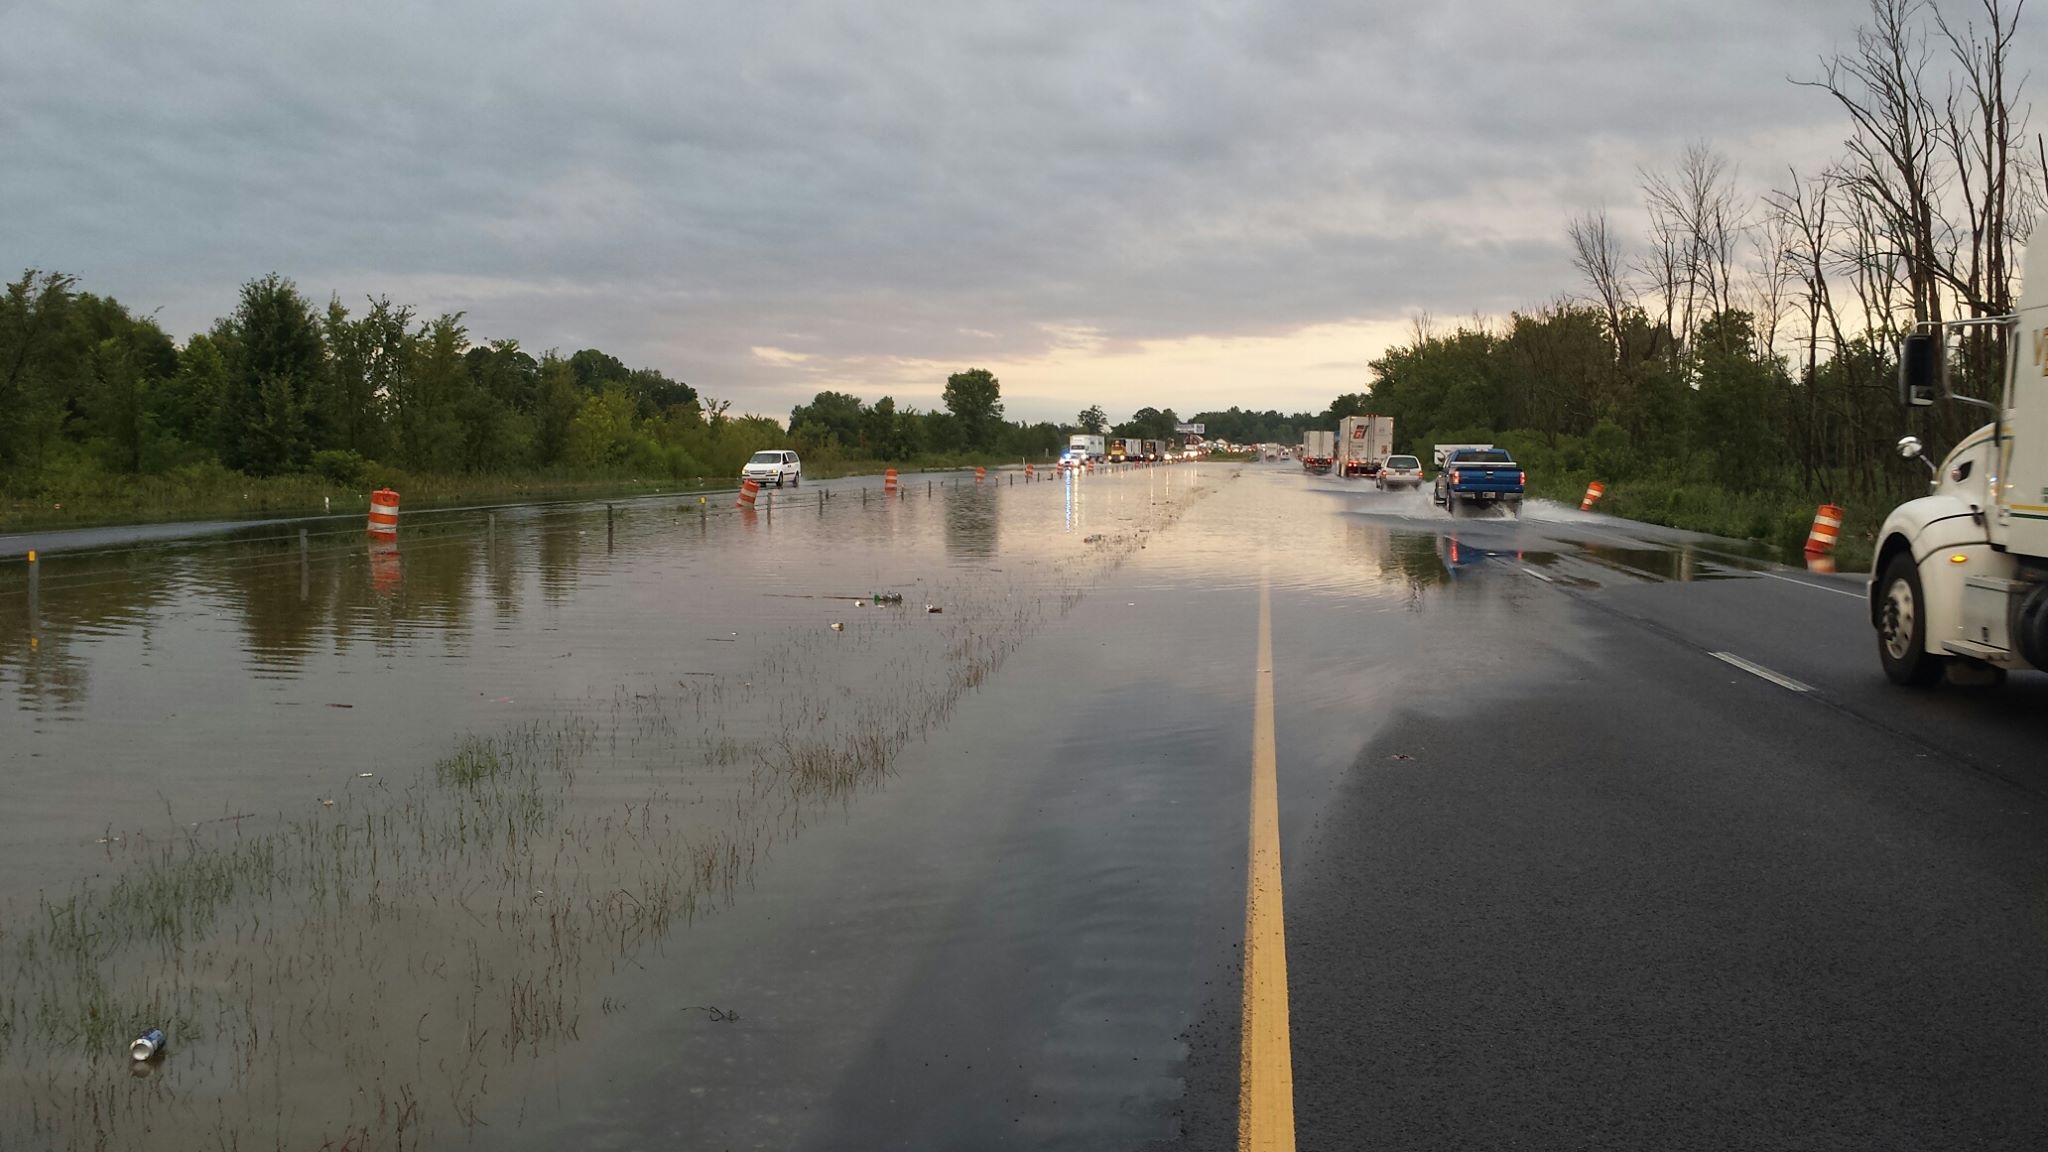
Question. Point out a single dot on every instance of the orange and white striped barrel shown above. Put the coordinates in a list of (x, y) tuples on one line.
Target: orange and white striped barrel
[(1594, 492), (1827, 524), (383, 512), (1820, 562), (749, 489), (889, 480), (980, 474), (1027, 473)]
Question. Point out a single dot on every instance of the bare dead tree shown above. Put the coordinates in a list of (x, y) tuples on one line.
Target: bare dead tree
[(1893, 143), (1598, 257), (1696, 226)]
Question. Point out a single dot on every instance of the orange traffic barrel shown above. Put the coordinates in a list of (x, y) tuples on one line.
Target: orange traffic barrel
[(1819, 562), (980, 474), (889, 480), (1827, 524), (383, 512), (1027, 473), (1594, 491), (749, 489)]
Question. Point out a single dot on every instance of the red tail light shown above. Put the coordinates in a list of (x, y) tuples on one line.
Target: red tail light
[(1457, 477), (1521, 479)]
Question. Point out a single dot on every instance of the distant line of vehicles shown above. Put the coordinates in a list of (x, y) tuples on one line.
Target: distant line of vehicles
[(1362, 447), (1083, 448)]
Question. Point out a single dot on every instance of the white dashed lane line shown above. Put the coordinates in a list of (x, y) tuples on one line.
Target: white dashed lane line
[(1781, 680)]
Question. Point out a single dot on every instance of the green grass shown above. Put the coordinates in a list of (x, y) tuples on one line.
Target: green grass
[(1776, 518)]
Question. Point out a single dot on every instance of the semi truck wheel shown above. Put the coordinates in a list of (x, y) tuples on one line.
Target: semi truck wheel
[(1902, 626)]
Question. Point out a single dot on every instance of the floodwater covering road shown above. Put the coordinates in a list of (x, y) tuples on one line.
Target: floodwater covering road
[(552, 828)]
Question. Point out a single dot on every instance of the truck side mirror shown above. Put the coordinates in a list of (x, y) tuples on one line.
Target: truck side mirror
[(1920, 364), (1909, 446)]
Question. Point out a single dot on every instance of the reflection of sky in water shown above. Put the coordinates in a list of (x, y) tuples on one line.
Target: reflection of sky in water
[(230, 675)]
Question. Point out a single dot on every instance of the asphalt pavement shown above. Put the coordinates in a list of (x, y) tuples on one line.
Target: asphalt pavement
[(1594, 835)]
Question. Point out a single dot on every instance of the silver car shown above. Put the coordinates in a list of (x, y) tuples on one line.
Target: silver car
[(1400, 472)]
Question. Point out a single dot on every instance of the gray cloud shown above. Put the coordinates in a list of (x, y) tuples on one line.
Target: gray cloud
[(946, 181)]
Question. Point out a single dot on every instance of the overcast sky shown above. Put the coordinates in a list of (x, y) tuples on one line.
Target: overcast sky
[(1124, 202)]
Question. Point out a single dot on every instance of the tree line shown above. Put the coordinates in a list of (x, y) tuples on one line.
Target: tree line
[(1746, 343), (280, 386)]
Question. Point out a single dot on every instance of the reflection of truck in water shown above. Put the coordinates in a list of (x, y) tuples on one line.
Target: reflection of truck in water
[(1960, 580), (1363, 444), (1091, 447), (1318, 451)]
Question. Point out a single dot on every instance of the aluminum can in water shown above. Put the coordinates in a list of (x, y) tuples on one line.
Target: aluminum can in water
[(147, 1045)]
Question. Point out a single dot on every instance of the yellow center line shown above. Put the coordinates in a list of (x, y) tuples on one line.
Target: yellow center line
[(1265, 1094)]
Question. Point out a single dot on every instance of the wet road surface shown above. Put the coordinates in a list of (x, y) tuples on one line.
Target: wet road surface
[(649, 854)]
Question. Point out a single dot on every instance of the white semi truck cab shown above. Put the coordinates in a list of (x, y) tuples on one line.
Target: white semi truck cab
[(1960, 580)]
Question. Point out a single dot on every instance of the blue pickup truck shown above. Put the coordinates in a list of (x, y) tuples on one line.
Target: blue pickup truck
[(1479, 476)]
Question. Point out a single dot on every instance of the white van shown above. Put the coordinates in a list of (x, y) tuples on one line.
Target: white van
[(774, 467)]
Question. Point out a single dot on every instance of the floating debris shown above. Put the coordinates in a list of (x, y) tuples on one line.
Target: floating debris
[(888, 597), (147, 1045), (838, 627), (934, 609), (364, 775), (326, 803)]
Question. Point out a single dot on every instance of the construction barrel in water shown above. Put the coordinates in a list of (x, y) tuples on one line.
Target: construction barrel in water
[(980, 474), (889, 480), (1594, 491), (749, 489), (1827, 524), (384, 512)]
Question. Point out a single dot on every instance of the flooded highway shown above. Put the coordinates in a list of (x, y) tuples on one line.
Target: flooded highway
[(920, 820)]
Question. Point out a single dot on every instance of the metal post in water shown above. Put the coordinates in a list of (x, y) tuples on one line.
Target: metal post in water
[(35, 582), (305, 577)]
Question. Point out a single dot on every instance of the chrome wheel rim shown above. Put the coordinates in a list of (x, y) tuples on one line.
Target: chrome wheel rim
[(1898, 620)]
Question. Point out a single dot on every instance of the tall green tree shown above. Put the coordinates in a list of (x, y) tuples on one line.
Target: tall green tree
[(974, 398), (426, 409), (557, 400), (276, 365), (1093, 419), (830, 418)]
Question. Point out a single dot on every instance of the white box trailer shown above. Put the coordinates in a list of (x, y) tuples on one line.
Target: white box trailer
[(1363, 444), (1959, 584), (1093, 447), (1318, 450)]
